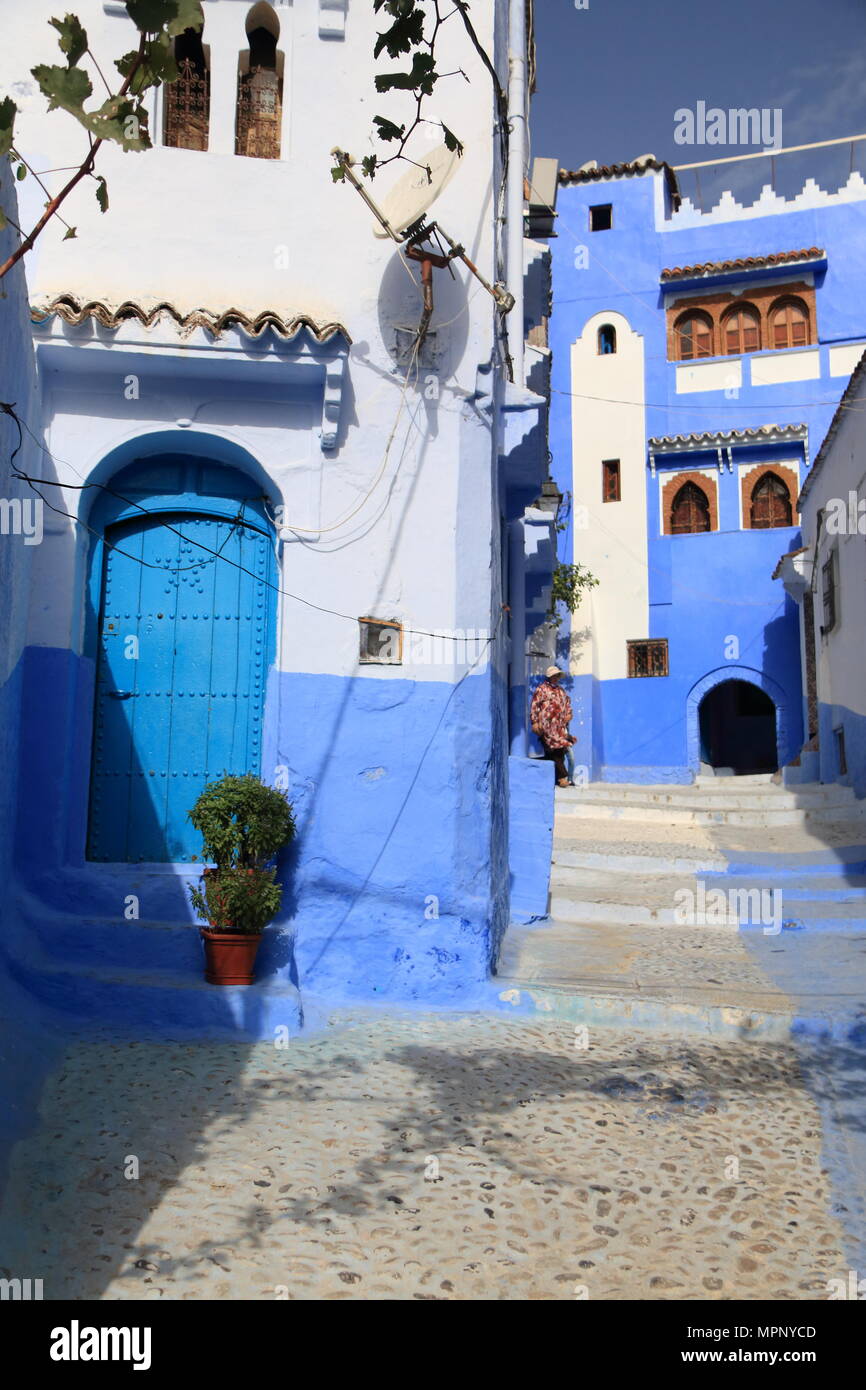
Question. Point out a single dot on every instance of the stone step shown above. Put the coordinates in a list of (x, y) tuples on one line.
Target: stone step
[(662, 902), (162, 1003), (146, 976), (676, 860), (160, 891), (598, 976), (657, 888), (131, 945), (708, 982), (838, 849), (695, 799), (136, 945), (700, 798), (765, 817), (747, 779)]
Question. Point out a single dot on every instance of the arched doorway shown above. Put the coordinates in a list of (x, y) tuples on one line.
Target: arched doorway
[(737, 722), (183, 584)]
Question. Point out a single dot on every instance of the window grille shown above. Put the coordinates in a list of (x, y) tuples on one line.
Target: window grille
[(690, 511), (610, 481), (828, 589), (187, 107), (648, 658), (260, 110), (771, 503)]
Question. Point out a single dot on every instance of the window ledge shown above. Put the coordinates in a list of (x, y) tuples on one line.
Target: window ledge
[(738, 356)]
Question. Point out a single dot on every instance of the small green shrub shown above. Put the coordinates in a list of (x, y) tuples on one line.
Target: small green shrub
[(243, 825), (237, 900)]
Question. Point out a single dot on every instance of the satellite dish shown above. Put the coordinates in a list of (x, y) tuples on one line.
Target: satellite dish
[(415, 192), (588, 166)]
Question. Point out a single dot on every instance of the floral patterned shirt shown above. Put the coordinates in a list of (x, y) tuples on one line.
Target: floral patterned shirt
[(551, 715)]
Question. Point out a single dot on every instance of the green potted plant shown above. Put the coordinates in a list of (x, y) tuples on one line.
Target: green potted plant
[(243, 825)]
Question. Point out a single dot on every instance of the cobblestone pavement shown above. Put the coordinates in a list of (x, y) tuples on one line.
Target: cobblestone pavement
[(426, 1157)]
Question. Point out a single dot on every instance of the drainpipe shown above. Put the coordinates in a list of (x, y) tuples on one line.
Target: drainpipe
[(517, 146)]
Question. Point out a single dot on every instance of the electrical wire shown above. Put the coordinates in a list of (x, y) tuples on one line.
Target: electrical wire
[(285, 593), (337, 525)]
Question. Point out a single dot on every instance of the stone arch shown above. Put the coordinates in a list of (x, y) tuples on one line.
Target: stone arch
[(750, 676)]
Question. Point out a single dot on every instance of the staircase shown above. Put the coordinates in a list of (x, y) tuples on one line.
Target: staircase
[(758, 802), (145, 976), (734, 905)]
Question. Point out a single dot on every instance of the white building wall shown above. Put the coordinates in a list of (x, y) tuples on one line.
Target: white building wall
[(215, 230), (608, 422), (839, 487)]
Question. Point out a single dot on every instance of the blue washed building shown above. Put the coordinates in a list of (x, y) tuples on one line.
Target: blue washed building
[(698, 357), (282, 533)]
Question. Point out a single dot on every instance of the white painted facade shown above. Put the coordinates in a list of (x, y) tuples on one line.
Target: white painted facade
[(833, 519), (609, 537), (213, 230)]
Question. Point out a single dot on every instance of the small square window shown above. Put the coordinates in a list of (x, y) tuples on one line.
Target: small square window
[(610, 487), (601, 217), (648, 658), (381, 641)]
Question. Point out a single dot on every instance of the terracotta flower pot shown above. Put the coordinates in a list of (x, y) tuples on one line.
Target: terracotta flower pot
[(230, 957)]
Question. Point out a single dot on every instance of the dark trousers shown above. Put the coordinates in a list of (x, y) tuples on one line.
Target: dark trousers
[(557, 757)]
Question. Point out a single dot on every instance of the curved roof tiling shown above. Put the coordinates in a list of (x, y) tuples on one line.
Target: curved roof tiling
[(76, 311)]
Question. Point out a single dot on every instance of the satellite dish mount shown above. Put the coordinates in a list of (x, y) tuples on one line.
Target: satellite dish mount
[(414, 235)]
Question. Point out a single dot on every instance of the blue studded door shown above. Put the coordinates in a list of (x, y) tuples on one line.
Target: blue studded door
[(184, 642)]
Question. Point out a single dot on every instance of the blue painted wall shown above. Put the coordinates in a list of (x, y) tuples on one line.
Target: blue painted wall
[(702, 588), (389, 885)]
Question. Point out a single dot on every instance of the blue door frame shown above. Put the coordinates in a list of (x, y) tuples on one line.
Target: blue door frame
[(185, 594)]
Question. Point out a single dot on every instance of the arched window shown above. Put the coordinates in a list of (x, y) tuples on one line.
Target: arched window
[(741, 330), (789, 323), (187, 101), (690, 510), (260, 87), (771, 503), (694, 333), (606, 338)]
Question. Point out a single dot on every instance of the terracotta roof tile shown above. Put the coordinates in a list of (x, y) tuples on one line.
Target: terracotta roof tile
[(789, 554), (75, 311), (688, 272), (711, 439), (611, 171), (626, 170)]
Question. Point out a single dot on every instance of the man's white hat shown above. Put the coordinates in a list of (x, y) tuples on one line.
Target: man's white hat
[(553, 671)]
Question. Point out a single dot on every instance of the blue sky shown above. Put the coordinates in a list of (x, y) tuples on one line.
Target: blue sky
[(611, 77)]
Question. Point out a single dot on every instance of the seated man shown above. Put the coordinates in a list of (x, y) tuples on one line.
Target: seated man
[(550, 715)]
